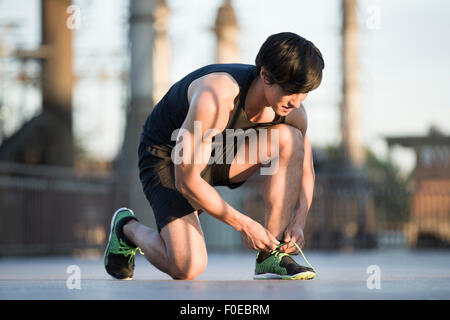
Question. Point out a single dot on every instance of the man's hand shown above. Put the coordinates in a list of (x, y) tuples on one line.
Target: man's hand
[(257, 237), (295, 233)]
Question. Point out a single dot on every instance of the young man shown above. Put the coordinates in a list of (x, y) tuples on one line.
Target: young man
[(266, 98)]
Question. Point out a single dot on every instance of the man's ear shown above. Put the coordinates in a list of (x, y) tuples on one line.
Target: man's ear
[(264, 76)]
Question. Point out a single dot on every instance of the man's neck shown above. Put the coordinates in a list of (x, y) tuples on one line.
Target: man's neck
[(255, 102)]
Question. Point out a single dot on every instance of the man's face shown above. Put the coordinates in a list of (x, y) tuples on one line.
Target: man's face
[(281, 101)]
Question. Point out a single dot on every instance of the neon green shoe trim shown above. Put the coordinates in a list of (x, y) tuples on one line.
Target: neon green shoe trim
[(116, 245), (272, 263), (126, 250)]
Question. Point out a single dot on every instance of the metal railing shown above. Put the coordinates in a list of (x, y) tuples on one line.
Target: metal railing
[(51, 210)]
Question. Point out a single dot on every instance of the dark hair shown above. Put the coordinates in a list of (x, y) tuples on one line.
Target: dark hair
[(291, 61)]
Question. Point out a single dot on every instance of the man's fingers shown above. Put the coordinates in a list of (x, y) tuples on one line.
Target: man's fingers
[(286, 240), (268, 244), (292, 251), (271, 246), (273, 241), (302, 244), (289, 248)]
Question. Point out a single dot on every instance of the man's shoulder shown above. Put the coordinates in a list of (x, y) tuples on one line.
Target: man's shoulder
[(231, 66), (220, 84)]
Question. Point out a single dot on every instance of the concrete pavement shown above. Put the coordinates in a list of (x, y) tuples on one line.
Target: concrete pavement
[(401, 275)]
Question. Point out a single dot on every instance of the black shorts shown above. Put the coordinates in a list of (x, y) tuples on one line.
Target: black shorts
[(157, 175)]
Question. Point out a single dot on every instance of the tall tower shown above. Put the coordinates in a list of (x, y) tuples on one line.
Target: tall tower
[(161, 51), (57, 78), (47, 138), (227, 32), (148, 82), (350, 122)]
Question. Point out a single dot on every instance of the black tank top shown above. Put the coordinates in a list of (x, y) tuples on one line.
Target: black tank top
[(169, 113)]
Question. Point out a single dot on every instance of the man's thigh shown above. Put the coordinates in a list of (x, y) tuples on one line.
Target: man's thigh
[(252, 154), (185, 244)]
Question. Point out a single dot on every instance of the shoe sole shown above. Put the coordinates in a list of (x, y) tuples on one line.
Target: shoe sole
[(109, 241), (274, 276)]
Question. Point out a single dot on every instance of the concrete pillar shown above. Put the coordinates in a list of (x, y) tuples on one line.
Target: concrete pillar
[(57, 78), (148, 79), (227, 32), (57, 83), (161, 51), (350, 121)]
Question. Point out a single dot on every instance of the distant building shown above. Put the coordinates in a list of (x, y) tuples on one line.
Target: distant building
[(226, 30), (430, 201)]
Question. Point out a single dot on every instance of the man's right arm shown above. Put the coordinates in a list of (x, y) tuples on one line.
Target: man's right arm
[(210, 105)]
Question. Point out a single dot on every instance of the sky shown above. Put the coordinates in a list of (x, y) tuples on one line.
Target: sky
[(404, 66)]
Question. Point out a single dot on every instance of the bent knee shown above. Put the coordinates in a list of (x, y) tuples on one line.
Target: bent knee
[(291, 141), (189, 271)]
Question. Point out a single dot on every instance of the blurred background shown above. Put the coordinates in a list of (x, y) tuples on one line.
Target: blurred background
[(78, 79)]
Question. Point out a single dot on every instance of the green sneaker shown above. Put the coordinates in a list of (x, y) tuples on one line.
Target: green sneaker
[(280, 265), (120, 253)]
